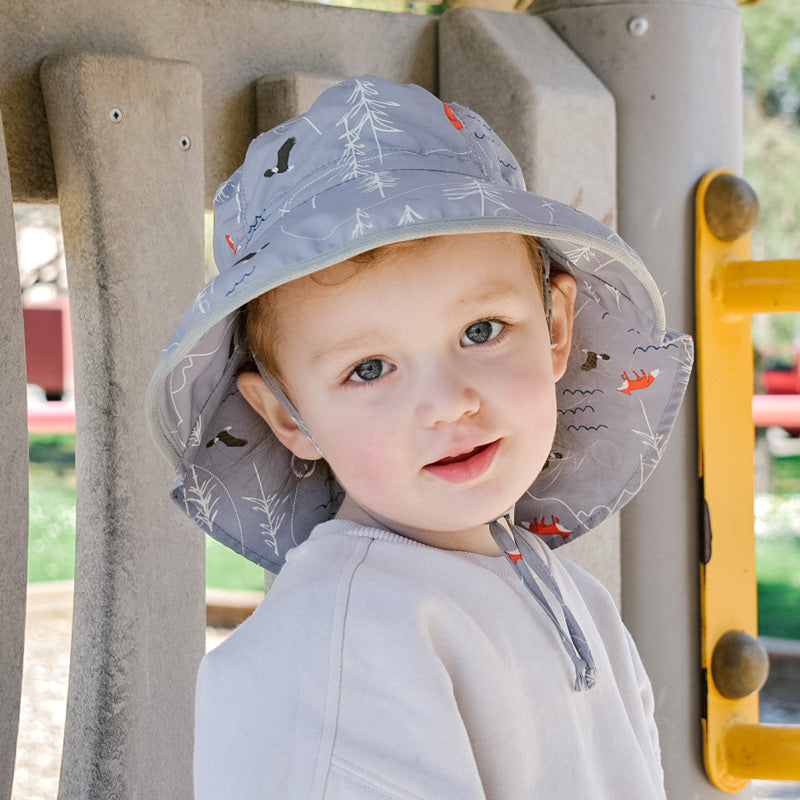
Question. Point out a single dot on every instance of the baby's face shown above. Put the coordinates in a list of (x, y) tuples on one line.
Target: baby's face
[(427, 382)]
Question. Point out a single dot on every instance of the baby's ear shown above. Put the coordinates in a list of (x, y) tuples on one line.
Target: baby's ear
[(267, 406), (563, 290)]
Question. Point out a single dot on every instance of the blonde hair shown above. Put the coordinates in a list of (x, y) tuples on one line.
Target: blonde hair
[(262, 314)]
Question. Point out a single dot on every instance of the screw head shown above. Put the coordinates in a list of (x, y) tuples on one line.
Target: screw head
[(184, 142), (739, 665), (115, 115), (638, 26), (731, 207)]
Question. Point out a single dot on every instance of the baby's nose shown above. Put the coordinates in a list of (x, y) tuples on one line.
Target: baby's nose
[(447, 396)]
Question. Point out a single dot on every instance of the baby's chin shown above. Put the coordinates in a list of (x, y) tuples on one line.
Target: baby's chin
[(465, 533)]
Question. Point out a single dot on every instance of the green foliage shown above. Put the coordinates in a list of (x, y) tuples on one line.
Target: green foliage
[(777, 518), (52, 448), (51, 525), (771, 166), (778, 567), (772, 54), (772, 152), (228, 570)]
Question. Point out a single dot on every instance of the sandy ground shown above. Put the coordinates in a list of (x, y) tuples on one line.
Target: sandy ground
[(44, 691), (44, 698)]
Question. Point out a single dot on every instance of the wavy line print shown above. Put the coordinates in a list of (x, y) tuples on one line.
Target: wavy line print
[(241, 280), (654, 347), (575, 410), (257, 220), (580, 391), (586, 427)]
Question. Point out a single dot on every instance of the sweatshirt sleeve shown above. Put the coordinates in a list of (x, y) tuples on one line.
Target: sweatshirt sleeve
[(647, 698), (267, 698)]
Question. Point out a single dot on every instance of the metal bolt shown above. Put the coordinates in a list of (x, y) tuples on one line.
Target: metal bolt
[(731, 207), (638, 26), (115, 115), (739, 665), (185, 142)]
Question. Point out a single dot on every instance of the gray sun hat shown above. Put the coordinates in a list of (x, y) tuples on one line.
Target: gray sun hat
[(372, 163)]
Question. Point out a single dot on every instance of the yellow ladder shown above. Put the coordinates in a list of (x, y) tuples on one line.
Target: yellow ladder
[(730, 288)]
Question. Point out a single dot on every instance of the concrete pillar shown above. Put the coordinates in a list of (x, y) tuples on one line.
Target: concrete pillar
[(13, 483), (126, 135), (559, 121), (674, 69), (288, 94), (231, 43)]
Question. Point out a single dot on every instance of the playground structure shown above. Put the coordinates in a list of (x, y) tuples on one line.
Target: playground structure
[(130, 115)]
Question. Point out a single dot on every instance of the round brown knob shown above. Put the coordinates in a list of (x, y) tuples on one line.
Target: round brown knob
[(739, 665), (731, 207)]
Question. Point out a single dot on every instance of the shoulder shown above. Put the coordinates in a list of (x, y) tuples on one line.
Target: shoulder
[(264, 716), (307, 596), (589, 587), (349, 635), (594, 605), (347, 589)]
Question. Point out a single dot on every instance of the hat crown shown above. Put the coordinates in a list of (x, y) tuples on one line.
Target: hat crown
[(362, 130)]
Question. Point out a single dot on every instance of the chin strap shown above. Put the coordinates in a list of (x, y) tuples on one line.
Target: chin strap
[(537, 577), (290, 407), (547, 292)]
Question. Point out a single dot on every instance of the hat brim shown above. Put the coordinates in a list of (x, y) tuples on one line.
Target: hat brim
[(616, 403)]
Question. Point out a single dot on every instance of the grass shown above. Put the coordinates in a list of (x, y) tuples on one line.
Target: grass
[(227, 570), (778, 558), (51, 549), (52, 536), (778, 569)]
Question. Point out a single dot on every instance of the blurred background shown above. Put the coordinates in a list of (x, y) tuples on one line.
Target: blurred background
[(771, 85)]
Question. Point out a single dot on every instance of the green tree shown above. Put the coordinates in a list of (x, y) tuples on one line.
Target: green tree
[(772, 53), (772, 151)]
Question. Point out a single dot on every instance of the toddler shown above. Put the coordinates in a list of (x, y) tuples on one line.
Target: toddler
[(411, 381)]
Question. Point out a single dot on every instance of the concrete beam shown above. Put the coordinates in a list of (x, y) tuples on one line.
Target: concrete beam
[(284, 96), (555, 115), (13, 483), (232, 44), (127, 142)]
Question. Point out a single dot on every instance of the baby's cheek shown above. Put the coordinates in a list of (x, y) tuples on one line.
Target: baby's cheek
[(362, 464), (531, 389)]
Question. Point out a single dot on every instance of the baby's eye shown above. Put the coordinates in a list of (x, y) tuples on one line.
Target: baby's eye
[(369, 370), (481, 332)]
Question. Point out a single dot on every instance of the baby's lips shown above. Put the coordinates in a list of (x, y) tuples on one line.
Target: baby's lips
[(467, 454), (465, 466)]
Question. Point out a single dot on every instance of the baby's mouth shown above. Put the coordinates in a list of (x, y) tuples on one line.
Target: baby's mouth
[(465, 466), (460, 457)]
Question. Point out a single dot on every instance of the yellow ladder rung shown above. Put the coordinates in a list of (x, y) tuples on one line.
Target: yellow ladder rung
[(757, 287), (763, 751)]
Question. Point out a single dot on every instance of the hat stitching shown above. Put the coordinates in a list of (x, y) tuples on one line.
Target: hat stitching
[(287, 200)]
